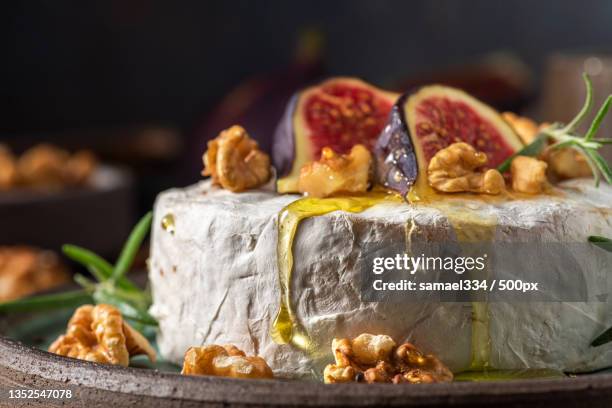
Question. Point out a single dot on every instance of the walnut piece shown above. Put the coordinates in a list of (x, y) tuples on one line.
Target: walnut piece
[(377, 359), (454, 169), (381, 373), (336, 173), (234, 161), (369, 349), (26, 270), (79, 167), (567, 163), (137, 344), (224, 361), (415, 376), (528, 175), (524, 127), (99, 334), (563, 163), (333, 374), (42, 165), (8, 168), (426, 367), (46, 166)]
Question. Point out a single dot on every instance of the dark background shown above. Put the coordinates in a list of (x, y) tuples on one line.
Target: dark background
[(69, 64)]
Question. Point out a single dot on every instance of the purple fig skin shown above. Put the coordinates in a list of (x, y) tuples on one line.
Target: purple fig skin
[(396, 161), (283, 144)]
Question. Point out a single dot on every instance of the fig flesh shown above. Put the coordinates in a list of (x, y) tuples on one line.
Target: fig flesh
[(429, 120), (338, 113)]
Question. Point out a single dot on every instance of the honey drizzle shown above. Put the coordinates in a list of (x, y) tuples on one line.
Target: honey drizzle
[(167, 223), (470, 227), (286, 328), (475, 228)]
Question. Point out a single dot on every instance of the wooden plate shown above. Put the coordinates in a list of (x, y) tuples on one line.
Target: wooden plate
[(24, 366)]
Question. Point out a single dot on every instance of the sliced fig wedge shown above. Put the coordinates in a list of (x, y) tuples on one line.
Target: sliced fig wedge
[(429, 120), (338, 113)]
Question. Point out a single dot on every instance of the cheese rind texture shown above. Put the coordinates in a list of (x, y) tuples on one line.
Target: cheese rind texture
[(215, 280)]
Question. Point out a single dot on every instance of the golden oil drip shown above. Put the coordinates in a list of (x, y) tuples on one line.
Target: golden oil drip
[(167, 223), (286, 328), (470, 226), (409, 230), (473, 226)]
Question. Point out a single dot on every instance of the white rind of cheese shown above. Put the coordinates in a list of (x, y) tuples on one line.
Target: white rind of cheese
[(215, 280)]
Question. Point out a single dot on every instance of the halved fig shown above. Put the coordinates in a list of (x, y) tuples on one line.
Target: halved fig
[(429, 120), (338, 113)]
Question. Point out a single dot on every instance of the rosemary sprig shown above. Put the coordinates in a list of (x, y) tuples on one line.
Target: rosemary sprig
[(31, 304), (111, 286), (566, 136), (605, 244), (128, 253), (99, 267), (602, 242)]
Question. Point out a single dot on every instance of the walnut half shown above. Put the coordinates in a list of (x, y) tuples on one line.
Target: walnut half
[(45, 166), (377, 359), (524, 127), (8, 168), (224, 361), (528, 175), (455, 169), (336, 173), (234, 161), (26, 270), (42, 165), (567, 163), (99, 334)]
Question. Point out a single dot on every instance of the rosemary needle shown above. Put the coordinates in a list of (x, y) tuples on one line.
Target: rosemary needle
[(112, 286)]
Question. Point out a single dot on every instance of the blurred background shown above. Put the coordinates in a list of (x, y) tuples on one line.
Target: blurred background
[(133, 89)]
